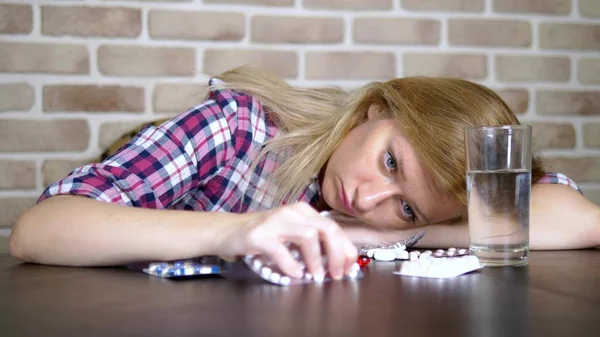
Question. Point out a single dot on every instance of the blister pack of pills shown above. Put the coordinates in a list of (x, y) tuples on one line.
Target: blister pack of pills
[(391, 252), (266, 269), (429, 265), (202, 266)]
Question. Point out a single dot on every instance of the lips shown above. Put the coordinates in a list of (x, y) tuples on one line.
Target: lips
[(346, 202)]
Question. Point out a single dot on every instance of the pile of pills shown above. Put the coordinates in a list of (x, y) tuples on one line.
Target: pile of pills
[(264, 267), (396, 251), (428, 265)]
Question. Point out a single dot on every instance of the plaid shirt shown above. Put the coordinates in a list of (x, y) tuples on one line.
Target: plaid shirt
[(200, 160)]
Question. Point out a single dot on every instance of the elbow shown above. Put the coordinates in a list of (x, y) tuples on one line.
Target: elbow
[(17, 242), (596, 228)]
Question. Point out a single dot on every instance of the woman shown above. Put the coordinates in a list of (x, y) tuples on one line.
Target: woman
[(259, 159)]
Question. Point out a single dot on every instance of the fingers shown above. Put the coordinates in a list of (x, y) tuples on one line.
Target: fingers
[(308, 239), (314, 234), (341, 253), (282, 257)]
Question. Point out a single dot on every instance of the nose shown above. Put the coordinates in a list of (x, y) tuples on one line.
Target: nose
[(370, 194)]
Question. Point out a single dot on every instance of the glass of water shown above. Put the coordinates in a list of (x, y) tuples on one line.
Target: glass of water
[(498, 193)]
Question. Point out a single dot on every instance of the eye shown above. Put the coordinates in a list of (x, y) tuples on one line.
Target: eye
[(406, 209), (389, 161)]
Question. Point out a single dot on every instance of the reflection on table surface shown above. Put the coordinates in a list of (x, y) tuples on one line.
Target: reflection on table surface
[(558, 294)]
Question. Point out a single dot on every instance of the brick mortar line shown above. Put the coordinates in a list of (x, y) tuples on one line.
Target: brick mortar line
[(39, 175), (38, 104), (37, 20), (246, 40), (444, 34), (145, 25), (575, 10), (348, 31), (92, 47), (579, 141), (20, 193)]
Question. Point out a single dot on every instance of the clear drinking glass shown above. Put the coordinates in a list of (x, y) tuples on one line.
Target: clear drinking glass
[(498, 193)]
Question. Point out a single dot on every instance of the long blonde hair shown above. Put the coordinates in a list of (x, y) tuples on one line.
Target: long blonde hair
[(432, 113)]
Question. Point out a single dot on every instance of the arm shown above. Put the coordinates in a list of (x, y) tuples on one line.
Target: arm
[(560, 218), (78, 231), (87, 218)]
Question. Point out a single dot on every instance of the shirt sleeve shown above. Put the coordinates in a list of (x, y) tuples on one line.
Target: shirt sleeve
[(160, 165), (559, 178)]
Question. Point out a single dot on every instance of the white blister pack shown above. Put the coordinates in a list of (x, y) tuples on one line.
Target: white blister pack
[(431, 266)]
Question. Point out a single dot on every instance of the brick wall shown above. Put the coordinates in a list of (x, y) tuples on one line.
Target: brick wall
[(74, 74)]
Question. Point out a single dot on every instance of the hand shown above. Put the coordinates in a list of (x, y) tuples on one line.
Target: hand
[(267, 232)]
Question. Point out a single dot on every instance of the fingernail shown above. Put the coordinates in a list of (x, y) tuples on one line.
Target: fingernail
[(298, 273)]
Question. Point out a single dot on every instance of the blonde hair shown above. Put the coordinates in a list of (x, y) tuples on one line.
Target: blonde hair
[(432, 112)]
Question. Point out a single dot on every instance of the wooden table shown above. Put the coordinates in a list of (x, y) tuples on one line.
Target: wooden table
[(558, 294)]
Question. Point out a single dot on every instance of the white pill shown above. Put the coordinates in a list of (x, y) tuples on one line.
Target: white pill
[(425, 254), (441, 251), (256, 264), (451, 249), (295, 254), (308, 276), (265, 272), (401, 254), (384, 255), (319, 278), (275, 277), (285, 280), (428, 252), (462, 251), (416, 252), (399, 246), (412, 256), (450, 253), (370, 252), (438, 254)]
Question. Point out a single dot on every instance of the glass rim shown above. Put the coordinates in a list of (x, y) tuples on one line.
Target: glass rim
[(498, 127)]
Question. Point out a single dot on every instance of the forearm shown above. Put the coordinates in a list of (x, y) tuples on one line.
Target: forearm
[(560, 218), (445, 236), (77, 231)]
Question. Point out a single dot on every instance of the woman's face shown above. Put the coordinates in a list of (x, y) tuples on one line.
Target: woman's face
[(375, 176)]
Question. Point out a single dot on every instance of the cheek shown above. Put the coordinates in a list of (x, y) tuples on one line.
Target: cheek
[(384, 217)]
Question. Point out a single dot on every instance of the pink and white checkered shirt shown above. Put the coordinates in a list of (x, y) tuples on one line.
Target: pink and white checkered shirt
[(199, 160)]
